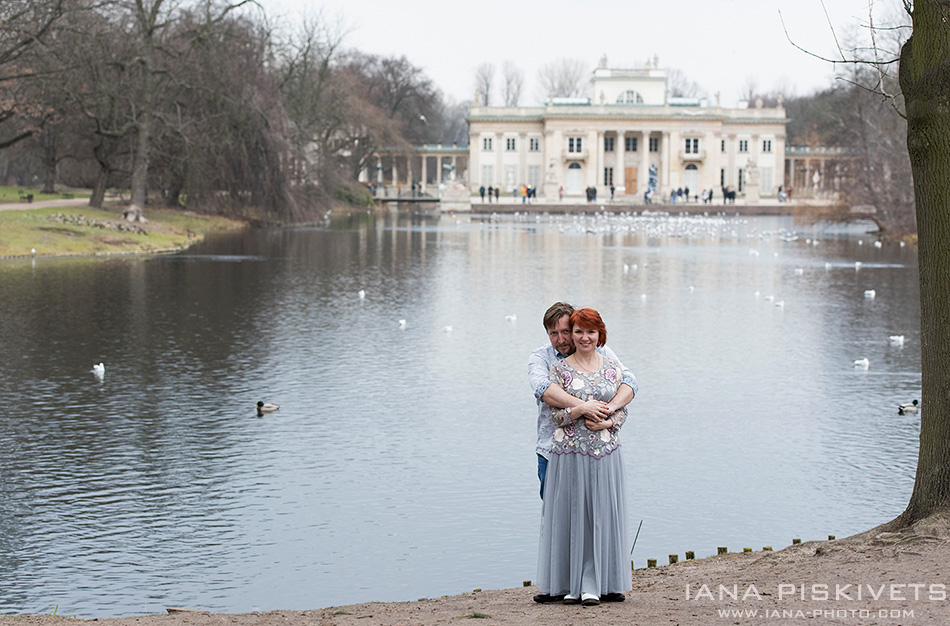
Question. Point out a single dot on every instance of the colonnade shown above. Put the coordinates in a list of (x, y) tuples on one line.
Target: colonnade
[(399, 174)]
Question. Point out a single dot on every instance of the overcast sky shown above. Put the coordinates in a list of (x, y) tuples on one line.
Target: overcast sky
[(719, 44)]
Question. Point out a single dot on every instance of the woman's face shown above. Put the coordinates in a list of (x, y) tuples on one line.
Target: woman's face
[(585, 340)]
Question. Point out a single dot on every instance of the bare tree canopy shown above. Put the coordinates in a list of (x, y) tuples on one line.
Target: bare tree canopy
[(512, 83), (564, 78), (682, 87), (484, 79)]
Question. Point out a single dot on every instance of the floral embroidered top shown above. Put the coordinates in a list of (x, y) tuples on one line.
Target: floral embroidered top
[(572, 436)]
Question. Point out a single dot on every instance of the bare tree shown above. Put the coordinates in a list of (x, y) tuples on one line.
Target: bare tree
[(923, 62), (563, 78), (923, 74), (24, 24), (484, 80), (682, 87), (512, 83)]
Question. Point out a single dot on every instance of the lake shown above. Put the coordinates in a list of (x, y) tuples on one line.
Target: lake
[(401, 462)]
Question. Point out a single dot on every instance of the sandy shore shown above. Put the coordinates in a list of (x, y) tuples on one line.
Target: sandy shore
[(878, 579)]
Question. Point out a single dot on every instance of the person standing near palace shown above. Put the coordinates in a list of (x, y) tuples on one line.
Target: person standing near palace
[(583, 549)]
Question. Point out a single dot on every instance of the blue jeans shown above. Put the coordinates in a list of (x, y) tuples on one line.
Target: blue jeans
[(542, 472)]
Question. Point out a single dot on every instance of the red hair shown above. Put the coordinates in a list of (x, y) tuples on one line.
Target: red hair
[(589, 319)]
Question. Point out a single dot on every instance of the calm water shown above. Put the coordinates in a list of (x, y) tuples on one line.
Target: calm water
[(401, 462)]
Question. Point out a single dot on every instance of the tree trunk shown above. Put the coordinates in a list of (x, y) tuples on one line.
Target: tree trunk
[(99, 190), (49, 160), (925, 83)]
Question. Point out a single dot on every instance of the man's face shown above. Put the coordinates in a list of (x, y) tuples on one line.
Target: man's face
[(560, 335)]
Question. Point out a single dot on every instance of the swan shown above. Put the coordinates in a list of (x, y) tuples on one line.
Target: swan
[(402, 323), (99, 370), (908, 409), (869, 293), (897, 340), (862, 363), (266, 407), (362, 294)]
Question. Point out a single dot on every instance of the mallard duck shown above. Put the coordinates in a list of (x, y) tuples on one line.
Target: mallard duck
[(266, 407), (908, 409)]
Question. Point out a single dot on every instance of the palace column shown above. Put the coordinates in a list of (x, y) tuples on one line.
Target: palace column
[(666, 161), (409, 174), (620, 161), (522, 158), (643, 169), (454, 165), (425, 162)]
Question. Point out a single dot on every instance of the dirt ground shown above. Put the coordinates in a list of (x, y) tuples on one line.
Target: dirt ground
[(878, 578)]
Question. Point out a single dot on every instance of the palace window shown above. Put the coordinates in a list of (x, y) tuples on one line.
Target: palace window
[(534, 175), (510, 144), (654, 144), (488, 176), (534, 144), (575, 145), (630, 97), (723, 149), (766, 145), (608, 176), (743, 145), (608, 144), (630, 144), (692, 146), (486, 144)]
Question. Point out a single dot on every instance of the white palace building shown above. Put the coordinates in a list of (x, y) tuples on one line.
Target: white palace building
[(629, 135)]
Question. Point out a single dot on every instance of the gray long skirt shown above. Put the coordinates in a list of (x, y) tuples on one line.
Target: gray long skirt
[(584, 547)]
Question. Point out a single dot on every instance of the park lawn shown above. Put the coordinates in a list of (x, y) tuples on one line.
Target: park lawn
[(14, 194), (72, 230)]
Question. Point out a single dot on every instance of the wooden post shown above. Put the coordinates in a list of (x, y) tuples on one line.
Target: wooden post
[(795, 542), (690, 555), (723, 549), (831, 537), (747, 549), (674, 558), (767, 548), (526, 583), (651, 562)]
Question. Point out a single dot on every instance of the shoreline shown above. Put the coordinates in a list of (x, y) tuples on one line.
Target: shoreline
[(876, 578), (71, 229)]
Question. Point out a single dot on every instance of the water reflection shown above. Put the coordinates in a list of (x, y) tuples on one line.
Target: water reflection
[(400, 464)]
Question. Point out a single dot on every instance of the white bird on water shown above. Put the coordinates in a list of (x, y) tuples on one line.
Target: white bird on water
[(448, 329), (862, 364), (511, 318), (362, 294), (99, 370), (908, 409), (897, 340), (402, 323), (869, 293)]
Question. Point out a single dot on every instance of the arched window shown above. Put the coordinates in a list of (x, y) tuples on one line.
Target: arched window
[(630, 97), (692, 166), (577, 166)]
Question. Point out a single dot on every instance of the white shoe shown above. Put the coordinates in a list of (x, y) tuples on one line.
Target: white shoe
[(570, 599), (589, 599)]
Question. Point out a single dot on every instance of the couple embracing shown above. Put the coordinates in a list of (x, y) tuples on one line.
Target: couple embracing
[(582, 391)]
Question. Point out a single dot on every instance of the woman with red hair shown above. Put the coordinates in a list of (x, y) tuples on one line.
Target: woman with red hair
[(583, 551)]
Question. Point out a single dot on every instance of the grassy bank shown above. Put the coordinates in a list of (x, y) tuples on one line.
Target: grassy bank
[(80, 230)]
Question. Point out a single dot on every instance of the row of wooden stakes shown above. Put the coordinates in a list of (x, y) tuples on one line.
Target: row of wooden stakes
[(690, 555)]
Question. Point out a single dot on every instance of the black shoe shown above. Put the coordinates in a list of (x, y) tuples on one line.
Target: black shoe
[(613, 597), (543, 598)]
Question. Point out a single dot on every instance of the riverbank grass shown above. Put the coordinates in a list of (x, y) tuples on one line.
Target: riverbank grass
[(71, 230)]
